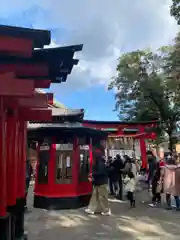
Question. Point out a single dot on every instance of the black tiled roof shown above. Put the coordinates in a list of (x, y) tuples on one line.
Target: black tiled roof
[(65, 129), (61, 115), (60, 61), (39, 37)]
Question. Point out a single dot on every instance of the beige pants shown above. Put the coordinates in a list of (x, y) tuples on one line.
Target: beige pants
[(99, 199)]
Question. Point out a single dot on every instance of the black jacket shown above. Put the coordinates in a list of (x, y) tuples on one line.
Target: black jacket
[(99, 172), (152, 165), (117, 165)]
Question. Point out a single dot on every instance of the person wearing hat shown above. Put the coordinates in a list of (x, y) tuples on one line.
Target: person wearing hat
[(99, 178)]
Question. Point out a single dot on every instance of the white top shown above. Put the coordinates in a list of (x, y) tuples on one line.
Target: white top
[(134, 169), (130, 184), (131, 167)]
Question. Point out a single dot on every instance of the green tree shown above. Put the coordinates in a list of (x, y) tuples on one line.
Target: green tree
[(145, 89), (175, 10)]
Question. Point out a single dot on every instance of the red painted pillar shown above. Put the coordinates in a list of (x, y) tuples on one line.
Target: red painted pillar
[(19, 137), (21, 167), (90, 155), (75, 164), (2, 161), (52, 166), (11, 157), (37, 168), (24, 158), (143, 149), (21, 178)]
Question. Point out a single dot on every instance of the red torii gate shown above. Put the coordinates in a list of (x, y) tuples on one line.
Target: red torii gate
[(22, 69), (120, 129)]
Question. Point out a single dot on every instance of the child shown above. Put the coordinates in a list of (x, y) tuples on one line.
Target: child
[(130, 185)]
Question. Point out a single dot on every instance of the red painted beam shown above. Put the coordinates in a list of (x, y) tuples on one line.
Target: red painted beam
[(16, 46), (37, 101), (11, 86), (119, 125), (138, 135), (26, 69), (42, 83), (107, 126), (35, 114)]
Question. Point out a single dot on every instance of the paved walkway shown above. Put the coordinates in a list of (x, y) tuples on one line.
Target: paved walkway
[(127, 224)]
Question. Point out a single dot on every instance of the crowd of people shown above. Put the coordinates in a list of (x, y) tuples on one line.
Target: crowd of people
[(164, 180), (118, 177), (114, 177), (118, 171)]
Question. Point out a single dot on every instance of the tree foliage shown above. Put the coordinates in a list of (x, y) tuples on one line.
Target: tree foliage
[(175, 10), (147, 86)]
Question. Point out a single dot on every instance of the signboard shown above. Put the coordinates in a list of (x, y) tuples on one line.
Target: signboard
[(84, 147), (44, 147), (64, 147), (44, 152), (44, 157)]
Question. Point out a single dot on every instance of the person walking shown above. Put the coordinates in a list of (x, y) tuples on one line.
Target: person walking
[(99, 178), (156, 186), (151, 167), (171, 176), (118, 165)]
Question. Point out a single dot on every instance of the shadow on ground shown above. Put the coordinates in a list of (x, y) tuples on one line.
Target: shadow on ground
[(140, 223)]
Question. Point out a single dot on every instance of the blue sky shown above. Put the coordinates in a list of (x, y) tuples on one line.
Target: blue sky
[(97, 108), (106, 28)]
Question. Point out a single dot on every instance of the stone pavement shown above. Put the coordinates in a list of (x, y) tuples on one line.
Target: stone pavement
[(127, 224)]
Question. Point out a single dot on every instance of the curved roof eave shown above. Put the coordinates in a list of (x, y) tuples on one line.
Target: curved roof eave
[(55, 104)]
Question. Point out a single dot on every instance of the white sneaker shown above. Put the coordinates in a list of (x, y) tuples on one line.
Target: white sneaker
[(152, 205), (106, 213), (89, 211)]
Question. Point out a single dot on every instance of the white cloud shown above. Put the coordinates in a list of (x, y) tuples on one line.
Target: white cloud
[(105, 27), (52, 45)]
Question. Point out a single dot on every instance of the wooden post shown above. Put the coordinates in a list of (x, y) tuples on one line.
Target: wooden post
[(4, 216), (2, 161), (75, 163), (11, 157), (143, 149)]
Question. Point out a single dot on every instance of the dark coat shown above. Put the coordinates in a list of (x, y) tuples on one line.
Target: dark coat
[(117, 166), (152, 166), (99, 172), (155, 181)]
